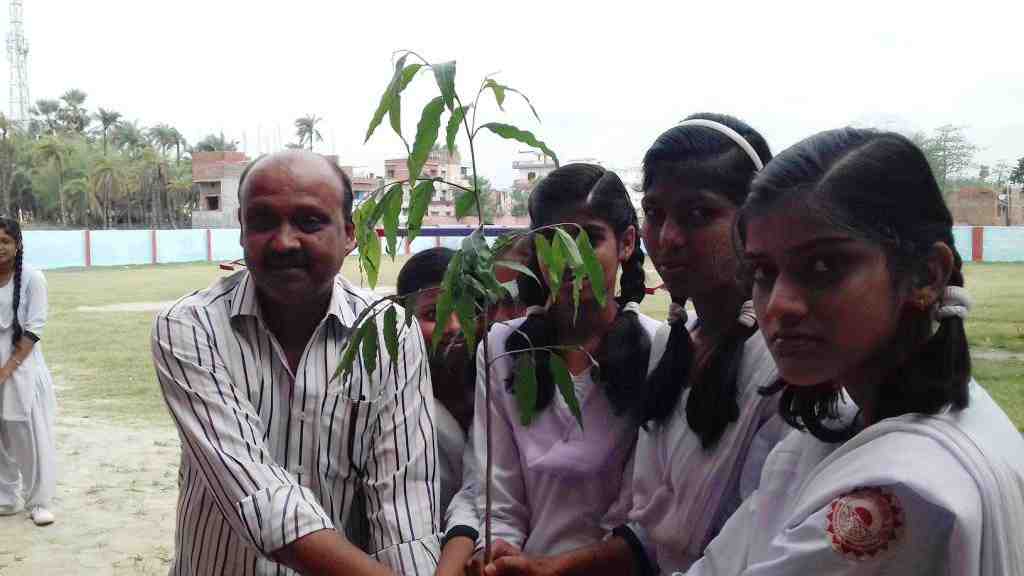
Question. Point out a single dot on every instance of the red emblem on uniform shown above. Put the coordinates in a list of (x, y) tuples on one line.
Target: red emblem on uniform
[(864, 522)]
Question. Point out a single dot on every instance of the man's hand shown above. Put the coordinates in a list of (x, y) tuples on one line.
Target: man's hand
[(523, 566), (500, 549)]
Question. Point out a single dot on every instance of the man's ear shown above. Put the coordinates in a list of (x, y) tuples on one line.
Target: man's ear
[(350, 237), (933, 276), (627, 245)]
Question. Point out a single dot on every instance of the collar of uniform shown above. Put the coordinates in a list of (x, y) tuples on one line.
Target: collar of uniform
[(244, 302)]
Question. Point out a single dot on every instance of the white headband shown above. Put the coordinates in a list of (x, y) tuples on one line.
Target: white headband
[(732, 134)]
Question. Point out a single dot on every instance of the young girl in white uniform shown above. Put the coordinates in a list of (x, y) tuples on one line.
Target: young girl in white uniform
[(906, 465), (559, 485), (27, 402), (708, 428)]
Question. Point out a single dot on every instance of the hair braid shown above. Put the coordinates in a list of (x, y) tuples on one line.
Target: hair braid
[(16, 301)]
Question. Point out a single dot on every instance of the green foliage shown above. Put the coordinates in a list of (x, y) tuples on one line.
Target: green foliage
[(560, 374), (426, 135), (510, 132)]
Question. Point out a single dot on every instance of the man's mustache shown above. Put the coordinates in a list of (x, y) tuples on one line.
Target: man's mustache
[(291, 259)]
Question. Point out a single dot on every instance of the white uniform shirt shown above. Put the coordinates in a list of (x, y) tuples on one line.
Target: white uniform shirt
[(451, 446), (899, 498), (31, 382), (682, 493), (556, 487), (269, 456)]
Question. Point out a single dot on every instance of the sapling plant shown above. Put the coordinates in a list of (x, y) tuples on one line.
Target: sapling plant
[(469, 288)]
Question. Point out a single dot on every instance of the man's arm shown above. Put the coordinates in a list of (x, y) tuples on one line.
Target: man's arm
[(401, 487), (611, 557), (221, 434), (326, 552)]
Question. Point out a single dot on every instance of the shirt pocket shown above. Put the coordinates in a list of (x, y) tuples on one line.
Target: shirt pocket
[(346, 425)]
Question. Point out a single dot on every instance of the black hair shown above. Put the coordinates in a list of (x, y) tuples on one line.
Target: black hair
[(425, 269), (625, 351), (346, 181), (877, 186), (702, 158), (13, 229)]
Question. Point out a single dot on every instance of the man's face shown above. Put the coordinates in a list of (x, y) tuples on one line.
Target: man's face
[(294, 233)]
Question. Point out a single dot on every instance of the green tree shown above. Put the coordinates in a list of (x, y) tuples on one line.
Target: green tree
[(55, 151), (306, 130), (1017, 176), (520, 202), (48, 109), (948, 150), (72, 113), (216, 143), (129, 138), (107, 176)]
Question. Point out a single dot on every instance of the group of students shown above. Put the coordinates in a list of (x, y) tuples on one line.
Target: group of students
[(808, 407)]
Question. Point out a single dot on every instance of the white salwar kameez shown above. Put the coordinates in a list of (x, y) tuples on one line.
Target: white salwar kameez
[(556, 486), (908, 495), (682, 493), (27, 402)]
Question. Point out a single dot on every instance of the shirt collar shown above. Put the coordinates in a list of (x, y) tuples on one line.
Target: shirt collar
[(244, 302)]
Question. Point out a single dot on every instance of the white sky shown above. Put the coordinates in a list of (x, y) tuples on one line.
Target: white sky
[(605, 79)]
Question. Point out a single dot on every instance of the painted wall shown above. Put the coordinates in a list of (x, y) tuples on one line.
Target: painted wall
[(62, 249)]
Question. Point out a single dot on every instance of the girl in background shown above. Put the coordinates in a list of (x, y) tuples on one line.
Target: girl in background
[(27, 402)]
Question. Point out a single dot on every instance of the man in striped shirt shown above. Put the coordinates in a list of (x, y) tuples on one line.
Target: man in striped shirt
[(277, 458)]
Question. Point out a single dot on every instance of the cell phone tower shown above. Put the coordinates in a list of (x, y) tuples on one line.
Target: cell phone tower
[(17, 59)]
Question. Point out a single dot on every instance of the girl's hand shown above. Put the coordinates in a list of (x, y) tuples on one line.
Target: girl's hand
[(500, 549), (522, 566)]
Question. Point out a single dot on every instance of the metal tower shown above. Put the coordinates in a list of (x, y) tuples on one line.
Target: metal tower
[(17, 58)]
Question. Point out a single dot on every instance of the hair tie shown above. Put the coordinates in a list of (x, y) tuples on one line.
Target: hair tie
[(677, 313), (731, 134), (632, 306), (747, 316), (532, 310), (955, 302)]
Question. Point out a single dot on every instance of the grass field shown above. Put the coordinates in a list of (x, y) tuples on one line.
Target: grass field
[(101, 358)]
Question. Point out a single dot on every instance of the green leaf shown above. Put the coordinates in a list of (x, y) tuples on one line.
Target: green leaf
[(464, 204), (408, 74), (465, 309), (571, 252), (528, 103), (392, 209), (445, 300), (444, 73), (453, 126), (426, 135), (391, 331), (419, 201), (387, 99), (560, 374), (593, 268), (526, 388), (369, 255), (349, 355), (369, 346), (577, 287), (395, 114), (551, 259), (521, 268), (509, 132), (499, 92)]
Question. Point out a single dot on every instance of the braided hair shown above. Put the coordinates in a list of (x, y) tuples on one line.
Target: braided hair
[(877, 186), (702, 158), (13, 229), (625, 350)]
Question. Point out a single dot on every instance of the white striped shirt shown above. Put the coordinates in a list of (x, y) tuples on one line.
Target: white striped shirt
[(269, 456)]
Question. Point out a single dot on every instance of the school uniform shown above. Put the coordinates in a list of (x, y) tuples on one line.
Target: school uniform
[(451, 444), (909, 495), (27, 402), (557, 486), (682, 493)]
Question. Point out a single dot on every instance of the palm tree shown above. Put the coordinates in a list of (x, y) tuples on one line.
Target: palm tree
[(128, 138), (78, 189), (53, 149), (180, 188), (179, 142), (73, 115), (107, 175), (162, 137), (108, 119), (306, 130), (48, 109)]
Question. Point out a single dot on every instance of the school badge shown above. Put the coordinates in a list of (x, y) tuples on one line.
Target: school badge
[(865, 522)]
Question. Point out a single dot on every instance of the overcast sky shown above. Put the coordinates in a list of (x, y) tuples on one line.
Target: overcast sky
[(606, 80)]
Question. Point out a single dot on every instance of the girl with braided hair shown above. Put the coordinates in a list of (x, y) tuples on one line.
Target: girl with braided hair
[(905, 464), (559, 485), (27, 402)]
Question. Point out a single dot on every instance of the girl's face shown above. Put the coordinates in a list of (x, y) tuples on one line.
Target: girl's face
[(688, 234), (611, 252), (8, 248), (825, 300)]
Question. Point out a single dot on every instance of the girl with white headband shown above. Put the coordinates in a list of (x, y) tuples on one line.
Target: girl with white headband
[(707, 427), (906, 465), (558, 485)]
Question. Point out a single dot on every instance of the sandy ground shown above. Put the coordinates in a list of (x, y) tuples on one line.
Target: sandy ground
[(115, 503)]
